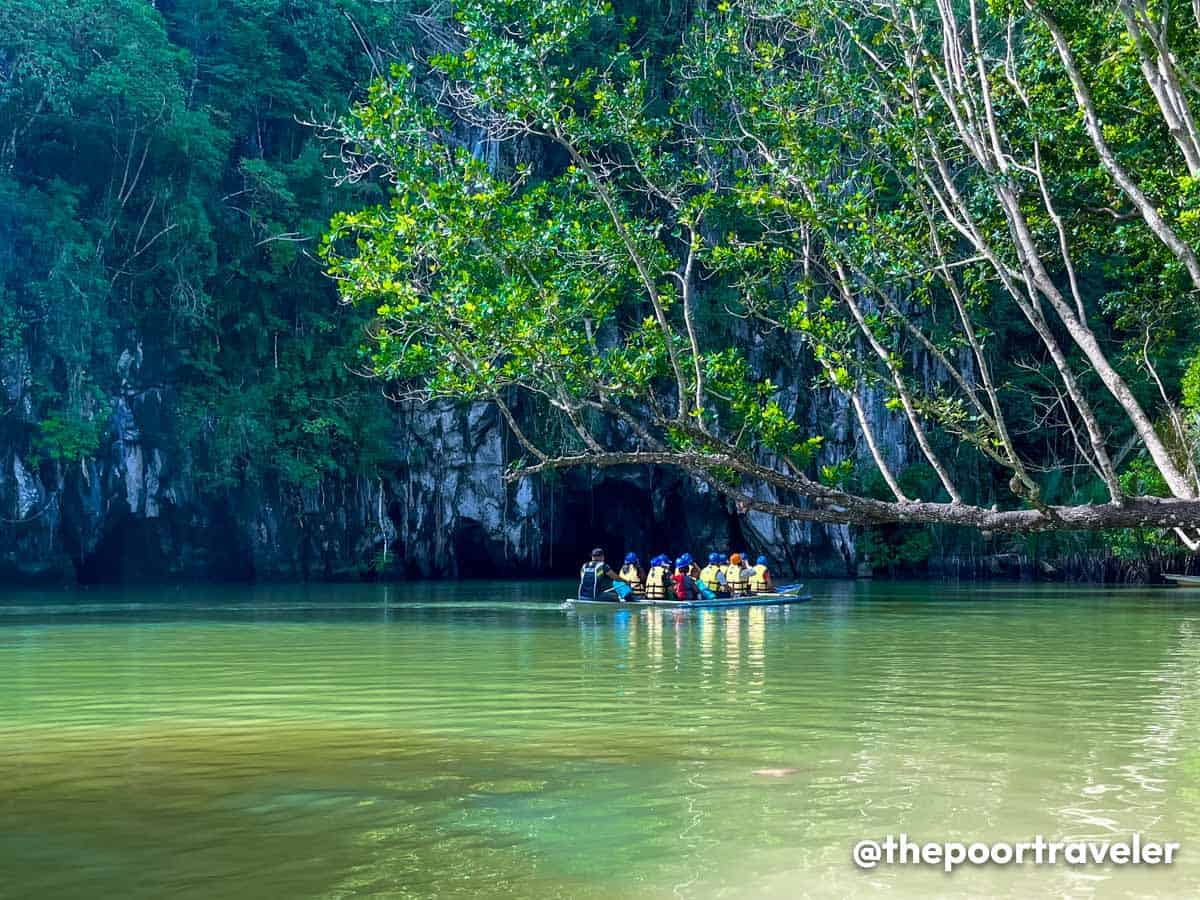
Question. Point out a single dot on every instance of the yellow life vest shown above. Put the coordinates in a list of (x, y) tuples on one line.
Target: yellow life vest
[(656, 583), (758, 581), (733, 578), (631, 576), (708, 575)]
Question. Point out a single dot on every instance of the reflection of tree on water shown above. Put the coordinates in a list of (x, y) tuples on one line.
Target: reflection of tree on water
[(1136, 801)]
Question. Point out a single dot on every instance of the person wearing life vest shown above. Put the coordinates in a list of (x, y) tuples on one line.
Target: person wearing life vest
[(737, 576), (760, 580), (689, 564), (658, 579), (747, 570), (682, 583), (631, 574), (596, 577), (713, 576)]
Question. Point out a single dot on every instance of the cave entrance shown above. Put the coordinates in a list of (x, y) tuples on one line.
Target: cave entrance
[(133, 549), (472, 553), (127, 551), (619, 516)]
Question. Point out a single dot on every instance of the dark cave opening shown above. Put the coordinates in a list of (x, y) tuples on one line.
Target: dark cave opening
[(473, 551), (128, 551), (619, 516), (135, 549)]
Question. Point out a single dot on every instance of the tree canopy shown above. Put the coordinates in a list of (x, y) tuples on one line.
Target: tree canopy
[(985, 212), (161, 195)]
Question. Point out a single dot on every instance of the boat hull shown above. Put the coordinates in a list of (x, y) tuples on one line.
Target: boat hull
[(1184, 580), (800, 595)]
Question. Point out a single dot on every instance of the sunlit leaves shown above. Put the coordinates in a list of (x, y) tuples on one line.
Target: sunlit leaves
[(786, 182), (480, 280)]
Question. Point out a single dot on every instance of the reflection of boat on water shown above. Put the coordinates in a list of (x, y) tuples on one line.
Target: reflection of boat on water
[(791, 593), (1183, 580)]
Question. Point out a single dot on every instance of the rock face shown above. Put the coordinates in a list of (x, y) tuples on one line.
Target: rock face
[(440, 506)]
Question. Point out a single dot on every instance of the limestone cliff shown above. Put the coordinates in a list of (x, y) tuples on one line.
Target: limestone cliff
[(439, 506)]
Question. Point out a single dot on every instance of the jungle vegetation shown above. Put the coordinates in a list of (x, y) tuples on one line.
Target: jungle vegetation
[(647, 233), (161, 198), (987, 212)]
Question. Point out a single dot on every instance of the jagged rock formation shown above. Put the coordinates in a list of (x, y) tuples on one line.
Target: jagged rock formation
[(440, 506)]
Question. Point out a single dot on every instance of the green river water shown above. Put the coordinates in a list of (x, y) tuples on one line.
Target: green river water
[(465, 740)]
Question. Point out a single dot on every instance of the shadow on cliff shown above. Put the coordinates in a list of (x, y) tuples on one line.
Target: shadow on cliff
[(133, 549)]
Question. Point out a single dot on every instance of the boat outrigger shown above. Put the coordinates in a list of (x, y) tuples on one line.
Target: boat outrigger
[(784, 594), (1183, 580)]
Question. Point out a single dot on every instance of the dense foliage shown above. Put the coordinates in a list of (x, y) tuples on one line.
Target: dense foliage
[(160, 198), (648, 233), (986, 212)]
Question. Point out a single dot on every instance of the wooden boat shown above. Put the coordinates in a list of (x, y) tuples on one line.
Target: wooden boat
[(790, 593), (1183, 580)]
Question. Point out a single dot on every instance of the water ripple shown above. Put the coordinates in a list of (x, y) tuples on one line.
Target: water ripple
[(446, 740)]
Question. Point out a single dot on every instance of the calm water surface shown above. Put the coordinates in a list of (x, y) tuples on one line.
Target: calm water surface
[(456, 740)]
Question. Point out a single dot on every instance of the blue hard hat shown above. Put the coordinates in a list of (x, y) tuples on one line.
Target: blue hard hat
[(714, 558), (682, 562), (631, 557), (761, 561), (687, 559)]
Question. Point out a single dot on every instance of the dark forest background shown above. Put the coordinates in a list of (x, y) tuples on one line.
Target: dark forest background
[(179, 386)]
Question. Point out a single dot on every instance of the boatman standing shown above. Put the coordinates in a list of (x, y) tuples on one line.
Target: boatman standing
[(594, 574)]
